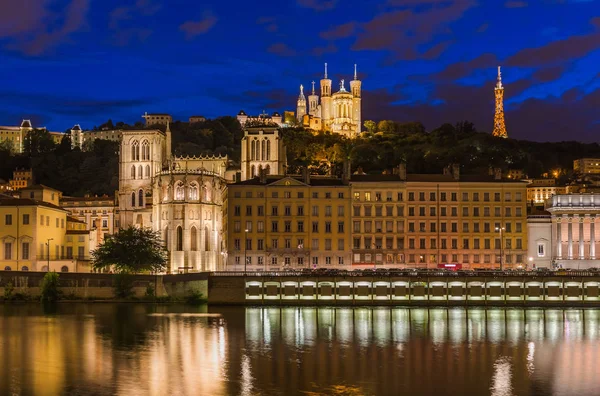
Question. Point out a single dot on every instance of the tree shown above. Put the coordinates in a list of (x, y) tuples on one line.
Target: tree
[(370, 125), (37, 142), (131, 250)]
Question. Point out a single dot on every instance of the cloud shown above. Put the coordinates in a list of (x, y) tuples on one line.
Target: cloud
[(317, 5), (459, 70), (31, 28), (558, 51), (515, 4), (483, 28), (196, 28), (548, 74), (409, 33), (329, 49), (269, 23), (281, 49), (340, 31), (120, 17)]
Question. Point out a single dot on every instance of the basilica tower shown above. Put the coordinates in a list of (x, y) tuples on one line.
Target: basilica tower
[(355, 90), (499, 127), (326, 100), (301, 107), (313, 102)]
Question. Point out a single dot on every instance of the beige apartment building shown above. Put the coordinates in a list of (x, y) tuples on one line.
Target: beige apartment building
[(284, 222), (587, 166), (97, 213)]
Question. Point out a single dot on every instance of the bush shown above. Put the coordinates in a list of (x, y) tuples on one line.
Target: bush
[(50, 284), (123, 285), (163, 299), (8, 291), (194, 297), (150, 291)]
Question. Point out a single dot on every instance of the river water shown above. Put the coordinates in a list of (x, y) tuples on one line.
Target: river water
[(137, 349)]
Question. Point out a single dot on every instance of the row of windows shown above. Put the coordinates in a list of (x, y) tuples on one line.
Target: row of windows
[(466, 211), (465, 196), (140, 174), (287, 210), (287, 260), (443, 227), (287, 226), (8, 251), (378, 258), (135, 151), (432, 243), (288, 194), (193, 239), (8, 219), (249, 244)]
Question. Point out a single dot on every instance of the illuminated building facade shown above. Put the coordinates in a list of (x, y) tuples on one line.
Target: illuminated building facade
[(98, 213), (15, 136), (262, 150), (539, 190), (180, 197), (279, 222), (587, 166), (499, 126), (338, 112), (575, 235)]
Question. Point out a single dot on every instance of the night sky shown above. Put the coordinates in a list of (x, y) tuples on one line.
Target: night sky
[(81, 61)]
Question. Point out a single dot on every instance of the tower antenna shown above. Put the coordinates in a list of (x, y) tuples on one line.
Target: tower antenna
[(355, 74), (499, 125), (325, 70)]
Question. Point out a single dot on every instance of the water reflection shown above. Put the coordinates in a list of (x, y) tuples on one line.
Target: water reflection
[(148, 350)]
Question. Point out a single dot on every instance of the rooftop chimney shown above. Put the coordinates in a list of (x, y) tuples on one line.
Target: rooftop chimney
[(456, 172), (497, 174)]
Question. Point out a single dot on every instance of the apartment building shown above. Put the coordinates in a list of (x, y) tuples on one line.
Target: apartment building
[(465, 221), (36, 233), (378, 220), (284, 222), (97, 213)]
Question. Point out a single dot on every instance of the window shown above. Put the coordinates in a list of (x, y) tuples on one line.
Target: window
[(507, 212), (454, 211), (248, 226), (486, 211), (453, 197), (497, 197), (476, 211), (476, 197), (328, 195), (475, 227), (300, 226), (179, 239), (237, 210), (104, 223), (411, 243), (8, 219), (400, 196), (518, 211), (340, 226), (274, 226), (275, 243), (300, 194), (260, 226), (260, 244), (465, 243), (300, 210), (274, 210), (287, 194), (476, 243), (486, 197), (193, 239), (454, 227), (497, 211), (141, 197), (25, 219), (411, 196), (25, 250), (248, 244), (287, 210), (328, 226), (422, 243), (261, 210), (327, 244), (518, 227), (287, 226), (274, 194), (540, 250), (248, 210), (327, 211), (443, 211), (465, 211), (465, 197), (411, 210), (315, 226), (367, 196), (518, 197), (389, 226), (328, 260), (340, 260), (432, 211), (465, 227), (454, 243), (356, 243), (340, 244), (411, 227), (7, 251), (507, 196), (378, 196), (356, 196)]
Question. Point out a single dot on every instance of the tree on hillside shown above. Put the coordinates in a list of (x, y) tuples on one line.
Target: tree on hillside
[(38, 141), (131, 250), (370, 125)]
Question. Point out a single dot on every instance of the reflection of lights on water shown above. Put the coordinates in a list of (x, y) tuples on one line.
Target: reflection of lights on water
[(530, 355), (246, 376), (501, 381)]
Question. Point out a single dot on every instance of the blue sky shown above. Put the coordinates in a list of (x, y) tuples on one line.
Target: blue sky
[(84, 61)]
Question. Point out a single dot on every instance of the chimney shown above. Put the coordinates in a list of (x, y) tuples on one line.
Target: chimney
[(456, 172), (497, 174), (402, 171), (346, 171), (447, 171), (491, 171), (263, 176), (305, 175)]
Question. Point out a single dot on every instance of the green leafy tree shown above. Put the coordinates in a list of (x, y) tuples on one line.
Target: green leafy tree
[(37, 142), (130, 251), (50, 283), (370, 125)]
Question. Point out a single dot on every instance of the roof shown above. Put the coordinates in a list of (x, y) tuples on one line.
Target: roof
[(40, 186), (242, 112), (83, 199), (315, 181), (441, 178), (76, 127), (80, 232), (157, 114), (27, 202), (374, 178), (75, 220), (197, 116), (26, 124)]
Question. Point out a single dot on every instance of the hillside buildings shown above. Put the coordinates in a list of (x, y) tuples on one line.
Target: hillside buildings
[(585, 166), (157, 119), (15, 135)]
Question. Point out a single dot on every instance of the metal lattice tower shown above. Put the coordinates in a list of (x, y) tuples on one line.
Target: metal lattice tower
[(499, 126)]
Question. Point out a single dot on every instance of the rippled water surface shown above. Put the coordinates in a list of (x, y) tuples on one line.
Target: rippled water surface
[(129, 349)]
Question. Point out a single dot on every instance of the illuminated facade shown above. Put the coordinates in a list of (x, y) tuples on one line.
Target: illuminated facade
[(539, 190), (180, 197), (263, 119), (157, 119), (35, 231), (575, 235), (262, 149), (277, 222), (15, 136), (338, 112), (499, 126), (587, 166), (98, 213), (21, 178)]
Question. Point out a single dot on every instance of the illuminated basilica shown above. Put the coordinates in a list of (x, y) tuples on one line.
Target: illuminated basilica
[(339, 112)]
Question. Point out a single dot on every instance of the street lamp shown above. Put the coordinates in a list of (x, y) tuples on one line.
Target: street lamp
[(530, 262), (48, 244), (501, 231), (245, 250)]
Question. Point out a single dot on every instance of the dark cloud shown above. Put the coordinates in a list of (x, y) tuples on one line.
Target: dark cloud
[(319, 51), (459, 70), (269, 23), (31, 28), (548, 74), (281, 49), (196, 28), (515, 4), (340, 31), (556, 52), (483, 28), (318, 5), (404, 31), (122, 20)]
